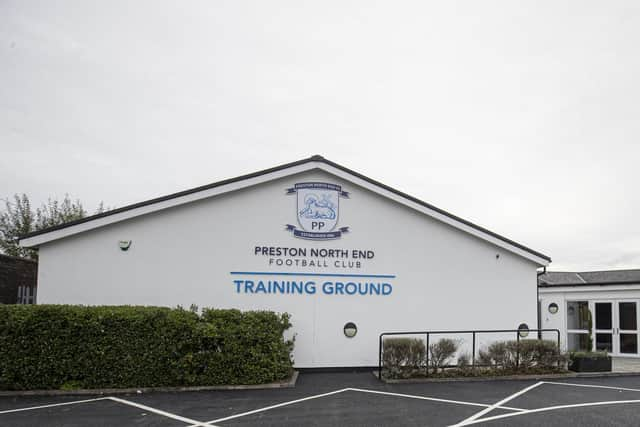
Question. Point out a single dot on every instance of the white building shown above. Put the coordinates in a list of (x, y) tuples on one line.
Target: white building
[(602, 305), (312, 238)]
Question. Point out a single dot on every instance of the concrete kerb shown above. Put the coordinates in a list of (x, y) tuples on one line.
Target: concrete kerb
[(509, 377), (290, 383)]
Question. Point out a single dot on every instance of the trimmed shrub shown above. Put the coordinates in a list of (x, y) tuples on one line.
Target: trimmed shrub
[(540, 354), (464, 361), (441, 353), (495, 355), (523, 355), (588, 354), (402, 357), (69, 347)]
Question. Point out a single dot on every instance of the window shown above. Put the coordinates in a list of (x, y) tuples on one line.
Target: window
[(578, 315), (578, 320)]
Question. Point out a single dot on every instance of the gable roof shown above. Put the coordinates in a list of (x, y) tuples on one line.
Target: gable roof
[(589, 278), (37, 238)]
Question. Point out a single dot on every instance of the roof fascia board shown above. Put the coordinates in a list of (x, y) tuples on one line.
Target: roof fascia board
[(324, 165), (434, 214), (581, 285), (548, 289), (155, 207)]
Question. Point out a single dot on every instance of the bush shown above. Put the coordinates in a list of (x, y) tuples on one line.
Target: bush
[(495, 355), (464, 361), (61, 346), (522, 355), (402, 357), (588, 354), (541, 353), (441, 353)]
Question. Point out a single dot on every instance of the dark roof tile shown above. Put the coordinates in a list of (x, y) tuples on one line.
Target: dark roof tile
[(587, 278)]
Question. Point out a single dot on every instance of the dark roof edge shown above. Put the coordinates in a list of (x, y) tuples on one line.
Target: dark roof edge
[(167, 197), (315, 158), (441, 211), (580, 285), (592, 271)]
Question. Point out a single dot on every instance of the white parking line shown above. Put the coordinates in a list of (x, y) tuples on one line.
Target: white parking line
[(160, 412), (474, 419), (593, 386), (551, 408), (409, 396), (52, 405), (470, 420), (279, 405), (434, 399)]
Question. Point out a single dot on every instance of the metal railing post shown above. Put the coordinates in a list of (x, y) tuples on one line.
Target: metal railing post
[(427, 353), (380, 357), (517, 350), (559, 353), (473, 352)]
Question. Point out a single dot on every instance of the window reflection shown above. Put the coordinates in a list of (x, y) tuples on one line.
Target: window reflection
[(578, 315)]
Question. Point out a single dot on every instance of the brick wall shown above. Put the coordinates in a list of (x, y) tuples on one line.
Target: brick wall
[(17, 275)]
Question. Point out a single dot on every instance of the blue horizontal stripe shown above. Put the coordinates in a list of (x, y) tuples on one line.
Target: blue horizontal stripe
[(271, 273)]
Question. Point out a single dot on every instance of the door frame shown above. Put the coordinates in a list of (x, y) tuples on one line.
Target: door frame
[(627, 331), (615, 331), (615, 325), (611, 331)]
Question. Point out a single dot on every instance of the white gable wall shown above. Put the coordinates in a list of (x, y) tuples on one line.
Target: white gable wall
[(445, 278)]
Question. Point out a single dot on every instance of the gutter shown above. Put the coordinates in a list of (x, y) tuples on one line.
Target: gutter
[(582, 285), (538, 274)]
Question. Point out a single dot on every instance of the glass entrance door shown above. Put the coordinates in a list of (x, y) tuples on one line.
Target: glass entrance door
[(627, 332), (603, 323), (616, 328)]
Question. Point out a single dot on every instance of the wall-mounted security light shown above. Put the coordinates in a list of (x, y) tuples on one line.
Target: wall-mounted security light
[(553, 308), (124, 245), (350, 330), (523, 330)]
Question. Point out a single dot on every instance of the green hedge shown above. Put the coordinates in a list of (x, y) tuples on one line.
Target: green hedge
[(68, 347)]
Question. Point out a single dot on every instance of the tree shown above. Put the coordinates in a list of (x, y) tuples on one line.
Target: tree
[(19, 218)]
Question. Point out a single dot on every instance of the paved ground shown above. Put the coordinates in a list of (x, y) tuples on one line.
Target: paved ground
[(350, 399)]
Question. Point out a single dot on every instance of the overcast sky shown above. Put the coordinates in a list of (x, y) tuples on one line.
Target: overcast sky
[(522, 117)]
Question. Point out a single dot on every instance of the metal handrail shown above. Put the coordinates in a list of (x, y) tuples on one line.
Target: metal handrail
[(473, 333)]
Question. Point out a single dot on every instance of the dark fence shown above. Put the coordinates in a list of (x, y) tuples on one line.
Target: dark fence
[(520, 334), (18, 280)]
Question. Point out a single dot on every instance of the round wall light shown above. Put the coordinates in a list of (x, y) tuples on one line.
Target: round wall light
[(124, 245), (350, 330), (553, 308), (523, 330)]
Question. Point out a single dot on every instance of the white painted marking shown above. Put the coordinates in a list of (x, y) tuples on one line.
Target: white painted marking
[(552, 408), (279, 405), (52, 405), (469, 420), (434, 399), (593, 386), (160, 412)]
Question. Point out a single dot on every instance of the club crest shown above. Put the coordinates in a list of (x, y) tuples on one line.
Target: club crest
[(317, 210)]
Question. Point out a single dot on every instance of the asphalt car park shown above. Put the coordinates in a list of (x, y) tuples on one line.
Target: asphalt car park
[(350, 399)]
